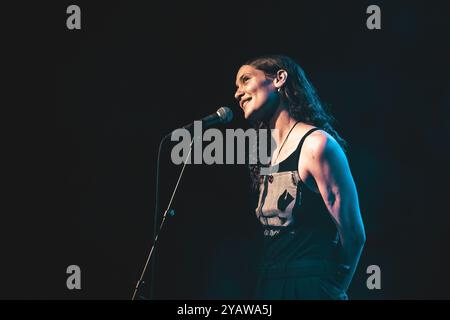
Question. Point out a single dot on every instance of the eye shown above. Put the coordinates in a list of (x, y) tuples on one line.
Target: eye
[(245, 79)]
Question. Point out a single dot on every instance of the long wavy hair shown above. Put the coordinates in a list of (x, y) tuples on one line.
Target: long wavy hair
[(299, 96)]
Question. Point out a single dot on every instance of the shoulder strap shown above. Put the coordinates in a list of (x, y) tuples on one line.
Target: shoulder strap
[(299, 147), (291, 162)]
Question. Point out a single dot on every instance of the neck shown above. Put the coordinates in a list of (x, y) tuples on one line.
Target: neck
[(282, 122)]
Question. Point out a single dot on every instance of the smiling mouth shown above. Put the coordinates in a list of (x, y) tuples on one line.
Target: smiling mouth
[(244, 103)]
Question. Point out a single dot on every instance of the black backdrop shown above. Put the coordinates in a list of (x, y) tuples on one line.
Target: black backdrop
[(137, 70)]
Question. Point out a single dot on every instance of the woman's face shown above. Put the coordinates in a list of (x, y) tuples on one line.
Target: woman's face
[(256, 93)]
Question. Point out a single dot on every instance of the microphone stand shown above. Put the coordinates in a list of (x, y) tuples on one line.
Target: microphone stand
[(157, 231)]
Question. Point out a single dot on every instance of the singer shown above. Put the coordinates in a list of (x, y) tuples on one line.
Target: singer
[(308, 203)]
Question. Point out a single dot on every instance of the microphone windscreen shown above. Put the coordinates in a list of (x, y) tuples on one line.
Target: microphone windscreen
[(225, 114)]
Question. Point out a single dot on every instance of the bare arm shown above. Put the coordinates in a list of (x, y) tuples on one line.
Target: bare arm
[(328, 165)]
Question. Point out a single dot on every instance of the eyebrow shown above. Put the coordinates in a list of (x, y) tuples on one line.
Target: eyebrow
[(240, 78)]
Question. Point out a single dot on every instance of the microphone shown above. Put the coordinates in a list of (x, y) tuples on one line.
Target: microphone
[(222, 115)]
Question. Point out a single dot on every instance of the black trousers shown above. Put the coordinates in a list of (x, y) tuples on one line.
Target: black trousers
[(301, 280)]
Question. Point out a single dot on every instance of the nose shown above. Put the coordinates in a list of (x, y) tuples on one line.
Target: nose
[(238, 94)]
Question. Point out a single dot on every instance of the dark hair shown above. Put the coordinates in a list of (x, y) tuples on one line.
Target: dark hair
[(300, 97)]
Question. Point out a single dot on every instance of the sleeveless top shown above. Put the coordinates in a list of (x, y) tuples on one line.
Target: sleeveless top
[(297, 224)]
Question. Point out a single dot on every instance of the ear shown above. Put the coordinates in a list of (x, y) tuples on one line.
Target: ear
[(280, 79)]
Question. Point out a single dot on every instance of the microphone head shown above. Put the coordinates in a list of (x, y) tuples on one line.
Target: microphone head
[(225, 114)]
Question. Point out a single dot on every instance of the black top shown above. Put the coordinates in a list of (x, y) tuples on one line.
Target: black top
[(297, 224)]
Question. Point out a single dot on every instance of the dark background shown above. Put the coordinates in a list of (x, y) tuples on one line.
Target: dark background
[(137, 70)]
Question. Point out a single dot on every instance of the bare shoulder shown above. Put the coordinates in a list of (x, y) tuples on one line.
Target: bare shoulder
[(321, 157), (321, 145), (319, 142)]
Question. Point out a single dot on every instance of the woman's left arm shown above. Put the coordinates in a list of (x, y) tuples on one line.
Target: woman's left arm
[(328, 165)]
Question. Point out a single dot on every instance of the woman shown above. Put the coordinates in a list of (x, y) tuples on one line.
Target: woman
[(308, 203)]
